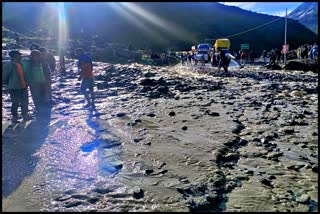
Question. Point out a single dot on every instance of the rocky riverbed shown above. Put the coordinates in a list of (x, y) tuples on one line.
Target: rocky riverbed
[(168, 139)]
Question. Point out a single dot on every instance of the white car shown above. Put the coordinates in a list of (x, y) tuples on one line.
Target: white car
[(203, 52)]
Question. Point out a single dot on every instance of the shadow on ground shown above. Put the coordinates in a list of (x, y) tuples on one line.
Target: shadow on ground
[(19, 144)]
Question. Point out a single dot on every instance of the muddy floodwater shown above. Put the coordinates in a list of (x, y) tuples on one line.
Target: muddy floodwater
[(167, 139)]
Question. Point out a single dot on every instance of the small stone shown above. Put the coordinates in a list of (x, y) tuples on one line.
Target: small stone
[(136, 140), (214, 114), (304, 146), (264, 140), (148, 144), (266, 182), (163, 171), (120, 114), (151, 115), (172, 114), (184, 128), (148, 171), (315, 168), (271, 177), (138, 193), (93, 200), (307, 112), (249, 172)]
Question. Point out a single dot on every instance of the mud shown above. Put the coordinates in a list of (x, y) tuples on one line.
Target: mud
[(168, 139)]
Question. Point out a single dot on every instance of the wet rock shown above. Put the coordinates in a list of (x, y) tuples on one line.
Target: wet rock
[(315, 168), (172, 114), (163, 171), (148, 171), (242, 142), (264, 140), (63, 198), (73, 204), (303, 199), (249, 172), (136, 140), (132, 124), (213, 114), (93, 200), (306, 112), (163, 89), (238, 129), (102, 191), (120, 114), (271, 177), (80, 197), (148, 144), (230, 185), (151, 115), (138, 193), (266, 182), (303, 157), (287, 130), (184, 128)]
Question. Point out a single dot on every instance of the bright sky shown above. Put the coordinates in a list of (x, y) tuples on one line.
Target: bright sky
[(270, 8)]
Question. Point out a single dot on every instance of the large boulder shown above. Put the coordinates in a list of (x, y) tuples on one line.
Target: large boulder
[(302, 65)]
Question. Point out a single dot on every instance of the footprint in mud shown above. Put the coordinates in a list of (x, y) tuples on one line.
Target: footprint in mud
[(90, 146)]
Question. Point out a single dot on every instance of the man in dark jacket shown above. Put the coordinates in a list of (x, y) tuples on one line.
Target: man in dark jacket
[(14, 75), (223, 60)]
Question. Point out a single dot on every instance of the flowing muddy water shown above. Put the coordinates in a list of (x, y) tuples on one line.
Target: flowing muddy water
[(168, 139)]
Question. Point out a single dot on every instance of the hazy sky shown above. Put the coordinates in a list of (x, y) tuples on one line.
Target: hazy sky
[(271, 8)]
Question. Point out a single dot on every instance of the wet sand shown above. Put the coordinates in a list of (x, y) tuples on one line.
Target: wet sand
[(169, 139)]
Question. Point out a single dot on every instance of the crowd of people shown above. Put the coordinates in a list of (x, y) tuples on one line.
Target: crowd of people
[(307, 51), (35, 74)]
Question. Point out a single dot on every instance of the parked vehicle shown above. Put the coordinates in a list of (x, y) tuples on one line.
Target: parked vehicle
[(202, 51)]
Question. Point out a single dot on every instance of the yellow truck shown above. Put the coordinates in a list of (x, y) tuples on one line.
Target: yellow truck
[(222, 43)]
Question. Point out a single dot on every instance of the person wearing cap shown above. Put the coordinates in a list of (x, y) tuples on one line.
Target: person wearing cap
[(46, 62), (14, 73), (35, 76), (85, 67)]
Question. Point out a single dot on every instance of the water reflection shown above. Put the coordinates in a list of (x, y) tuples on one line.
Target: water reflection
[(18, 160)]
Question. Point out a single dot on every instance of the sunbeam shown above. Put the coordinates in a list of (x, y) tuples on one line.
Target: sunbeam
[(63, 28), (159, 22)]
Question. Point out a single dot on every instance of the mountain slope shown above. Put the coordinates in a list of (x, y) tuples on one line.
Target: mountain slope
[(159, 26), (307, 14)]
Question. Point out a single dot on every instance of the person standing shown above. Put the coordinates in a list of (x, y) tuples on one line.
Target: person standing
[(47, 74), (264, 56), (36, 79), (223, 60), (13, 76), (62, 61), (251, 57), (85, 67)]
